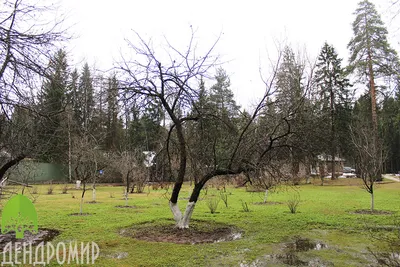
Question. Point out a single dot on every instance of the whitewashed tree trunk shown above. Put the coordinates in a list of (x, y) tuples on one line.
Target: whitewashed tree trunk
[(265, 196), (372, 202), (94, 194), (81, 208), (176, 212), (182, 222), (126, 197)]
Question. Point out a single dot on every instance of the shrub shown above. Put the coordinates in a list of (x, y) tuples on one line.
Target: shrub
[(35, 190), (245, 207), (155, 186), (212, 204), (50, 189), (293, 203), (64, 189), (224, 197)]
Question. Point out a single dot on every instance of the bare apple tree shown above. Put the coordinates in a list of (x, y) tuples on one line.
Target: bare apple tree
[(369, 157), (85, 156), (172, 80)]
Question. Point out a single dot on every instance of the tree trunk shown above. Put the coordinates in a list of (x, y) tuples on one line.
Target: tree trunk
[(265, 196), (69, 148), (126, 196), (94, 193), (182, 165), (83, 195), (373, 107), (9, 164), (182, 221), (133, 188), (333, 143), (127, 182), (372, 202)]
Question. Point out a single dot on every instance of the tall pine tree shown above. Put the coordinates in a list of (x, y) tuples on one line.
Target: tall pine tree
[(371, 56)]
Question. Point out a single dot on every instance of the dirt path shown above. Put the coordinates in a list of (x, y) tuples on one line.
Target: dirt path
[(390, 177)]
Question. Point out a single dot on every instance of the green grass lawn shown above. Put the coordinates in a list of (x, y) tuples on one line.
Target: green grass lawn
[(325, 213)]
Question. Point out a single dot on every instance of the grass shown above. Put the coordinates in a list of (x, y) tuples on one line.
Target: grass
[(324, 213)]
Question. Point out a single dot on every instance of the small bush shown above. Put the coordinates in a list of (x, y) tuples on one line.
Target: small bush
[(293, 203), (224, 197), (155, 186), (50, 189), (112, 195), (245, 207), (64, 189), (165, 186), (212, 204), (35, 190), (35, 198)]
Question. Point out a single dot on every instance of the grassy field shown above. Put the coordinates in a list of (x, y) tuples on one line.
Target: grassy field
[(325, 213)]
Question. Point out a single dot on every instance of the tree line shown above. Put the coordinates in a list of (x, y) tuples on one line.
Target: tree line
[(91, 121)]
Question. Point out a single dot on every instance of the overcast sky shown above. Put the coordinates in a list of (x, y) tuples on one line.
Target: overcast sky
[(248, 29)]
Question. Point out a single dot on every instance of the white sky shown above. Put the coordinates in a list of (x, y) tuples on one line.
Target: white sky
[(249, 29)]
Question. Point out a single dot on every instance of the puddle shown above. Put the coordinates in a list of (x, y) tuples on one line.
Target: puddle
[(290, 254), (231, 237), (119, 255), (43, 235), (304, 244)]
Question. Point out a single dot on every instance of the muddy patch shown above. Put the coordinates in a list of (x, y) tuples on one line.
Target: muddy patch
[(93, 202), (372, 212), (199, 232), (43, 235), (267, 203), (126, 207)]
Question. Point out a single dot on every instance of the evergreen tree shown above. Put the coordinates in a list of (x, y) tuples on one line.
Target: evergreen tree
[(86, 95), (291, 104), (332, 86), (112, 136), (371, 56), (221, 96), (53, 100), (289, 81), (390, 128)]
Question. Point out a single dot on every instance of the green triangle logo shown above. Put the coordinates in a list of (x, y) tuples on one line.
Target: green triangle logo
[(19, 215)]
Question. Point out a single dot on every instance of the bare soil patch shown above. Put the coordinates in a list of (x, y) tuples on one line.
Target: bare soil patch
[(126, 207), (267, 203), (199, 232), (43, 235), (93, 202)]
